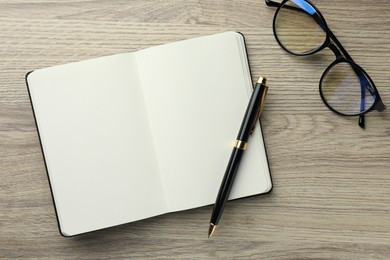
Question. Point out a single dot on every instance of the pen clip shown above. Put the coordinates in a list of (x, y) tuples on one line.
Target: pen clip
[(262, 102)]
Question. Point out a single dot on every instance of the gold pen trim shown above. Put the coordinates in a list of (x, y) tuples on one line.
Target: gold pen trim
[(240, 144)]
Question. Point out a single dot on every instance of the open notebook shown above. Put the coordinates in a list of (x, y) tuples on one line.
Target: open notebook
[(135, 135)]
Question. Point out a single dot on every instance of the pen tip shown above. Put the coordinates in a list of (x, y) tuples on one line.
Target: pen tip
[(212, 228), (262, 80)]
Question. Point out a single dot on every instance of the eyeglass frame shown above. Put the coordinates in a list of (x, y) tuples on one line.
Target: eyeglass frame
[(341, 54)]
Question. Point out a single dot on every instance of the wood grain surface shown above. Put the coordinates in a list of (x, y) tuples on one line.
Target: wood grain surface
[(331, 196)]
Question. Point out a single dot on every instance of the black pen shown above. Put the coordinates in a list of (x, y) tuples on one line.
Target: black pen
[(249, 122)]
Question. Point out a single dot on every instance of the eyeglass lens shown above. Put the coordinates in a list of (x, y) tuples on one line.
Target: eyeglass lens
[(347, 90), (298, 27)]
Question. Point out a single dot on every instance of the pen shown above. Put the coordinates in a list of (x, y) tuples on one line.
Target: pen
[(248, 124)]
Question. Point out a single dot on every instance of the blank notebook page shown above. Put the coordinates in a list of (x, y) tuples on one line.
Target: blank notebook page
[(196, 93), (98, 148)]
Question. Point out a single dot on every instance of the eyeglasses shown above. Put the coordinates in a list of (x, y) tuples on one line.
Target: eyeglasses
[(345, 87)]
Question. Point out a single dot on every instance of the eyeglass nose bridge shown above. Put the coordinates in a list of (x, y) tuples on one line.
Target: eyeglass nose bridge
[(335, 50)]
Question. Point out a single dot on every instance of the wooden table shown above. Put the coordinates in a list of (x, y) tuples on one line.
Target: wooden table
[(331, 196)]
